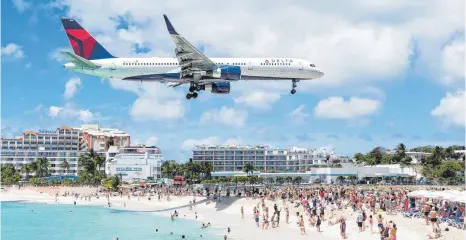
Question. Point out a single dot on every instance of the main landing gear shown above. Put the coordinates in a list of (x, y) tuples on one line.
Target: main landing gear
[(192, 91), (293, 90)]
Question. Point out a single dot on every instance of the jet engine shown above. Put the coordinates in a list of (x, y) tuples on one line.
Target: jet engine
[(226, 73), (218, 87)]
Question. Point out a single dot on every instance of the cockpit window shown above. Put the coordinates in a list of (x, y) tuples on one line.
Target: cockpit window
[(312, 65)]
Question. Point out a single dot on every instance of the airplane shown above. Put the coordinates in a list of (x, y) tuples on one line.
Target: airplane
[(190, 66)]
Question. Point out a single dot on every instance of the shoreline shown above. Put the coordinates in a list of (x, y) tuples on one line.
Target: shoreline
[(227, 214)]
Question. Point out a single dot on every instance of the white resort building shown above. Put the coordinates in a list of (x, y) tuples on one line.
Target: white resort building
[(134, 162)]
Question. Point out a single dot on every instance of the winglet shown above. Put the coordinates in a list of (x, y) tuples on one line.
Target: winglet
[(170, 27)]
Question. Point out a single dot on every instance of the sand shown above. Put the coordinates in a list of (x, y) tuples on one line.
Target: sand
[(227, 214)]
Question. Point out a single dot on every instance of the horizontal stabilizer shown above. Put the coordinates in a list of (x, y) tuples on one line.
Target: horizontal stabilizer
[(80, 61)]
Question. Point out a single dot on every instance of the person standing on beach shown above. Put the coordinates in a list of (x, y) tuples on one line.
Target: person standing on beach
[(426, 210), (242, 212), (433, 217), (256, 218), (359, 221), (343, 229), (301, 225), (318, 223)]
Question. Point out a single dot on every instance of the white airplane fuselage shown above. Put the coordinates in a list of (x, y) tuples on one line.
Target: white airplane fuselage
[(168, 69)]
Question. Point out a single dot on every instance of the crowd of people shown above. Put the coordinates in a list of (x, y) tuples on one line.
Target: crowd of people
[(312, 205)]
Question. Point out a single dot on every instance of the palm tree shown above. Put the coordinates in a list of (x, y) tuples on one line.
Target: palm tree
[(65, 166), (298, 180), (109, 143), (42, 167), (449, 152), (91, 162), (207, 168), (341, 179), (248, 169), (26, 169)]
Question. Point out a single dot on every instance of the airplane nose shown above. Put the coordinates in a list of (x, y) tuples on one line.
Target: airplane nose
[(319, 73)]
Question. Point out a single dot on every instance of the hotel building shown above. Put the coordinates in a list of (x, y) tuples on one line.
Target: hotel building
[(134, 162), (263, 158), (63, 144)]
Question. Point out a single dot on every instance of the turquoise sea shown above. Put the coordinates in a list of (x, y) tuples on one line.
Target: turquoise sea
[(25, 221)]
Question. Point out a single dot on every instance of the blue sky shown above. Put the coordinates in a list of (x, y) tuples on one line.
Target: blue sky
[(392, 74)]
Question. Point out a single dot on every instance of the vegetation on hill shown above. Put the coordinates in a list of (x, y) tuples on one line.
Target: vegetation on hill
[(440, 165)]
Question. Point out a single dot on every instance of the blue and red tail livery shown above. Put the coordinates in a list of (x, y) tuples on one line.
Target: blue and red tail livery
[(84, 45)]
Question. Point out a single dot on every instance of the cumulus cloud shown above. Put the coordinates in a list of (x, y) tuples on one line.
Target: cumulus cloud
[(451, 109), (12, 50), (21, 5), (226, 116), (70, 112), (453, 63), (71, 87), (56, 54), (54, 110), (258, 99), (338, 108), (155, 102), (189, 144), (298, 115)]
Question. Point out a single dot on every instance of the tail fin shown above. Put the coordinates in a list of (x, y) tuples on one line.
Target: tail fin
[(84, 45)]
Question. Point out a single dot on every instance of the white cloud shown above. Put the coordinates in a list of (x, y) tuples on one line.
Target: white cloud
[(147, 108), (70, 112), (338, 108), (21, 5), (298, 115), (152, 141), (451, 109), (258, 99), (71, 87), (53, 111), (56, 54), (155, 102), (453, 63), (227, 116), (189, 144), (12, 50)]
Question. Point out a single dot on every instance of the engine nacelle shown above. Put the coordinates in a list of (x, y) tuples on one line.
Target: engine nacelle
[(227, 73), (218, 87)]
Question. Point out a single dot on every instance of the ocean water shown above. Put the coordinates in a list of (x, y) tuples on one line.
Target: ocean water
[(25, 221)]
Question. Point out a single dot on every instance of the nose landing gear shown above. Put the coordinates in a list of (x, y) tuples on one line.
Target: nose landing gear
[(293, 90)]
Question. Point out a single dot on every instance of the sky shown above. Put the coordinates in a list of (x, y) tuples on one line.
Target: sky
[(394, 72)]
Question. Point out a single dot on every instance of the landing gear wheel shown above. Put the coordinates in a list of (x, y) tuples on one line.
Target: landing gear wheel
[(294, 85), (189, 96), (194, 94), (198, 88)]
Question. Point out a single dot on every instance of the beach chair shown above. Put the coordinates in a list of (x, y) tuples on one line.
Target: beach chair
[(458, 223)]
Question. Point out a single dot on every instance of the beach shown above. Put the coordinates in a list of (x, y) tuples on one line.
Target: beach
[(227, 214)]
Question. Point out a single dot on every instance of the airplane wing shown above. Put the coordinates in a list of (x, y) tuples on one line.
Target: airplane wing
[(79, 61), (190, 59)]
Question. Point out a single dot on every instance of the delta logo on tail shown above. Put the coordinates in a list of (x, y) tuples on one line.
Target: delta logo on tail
[(84, 45)]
